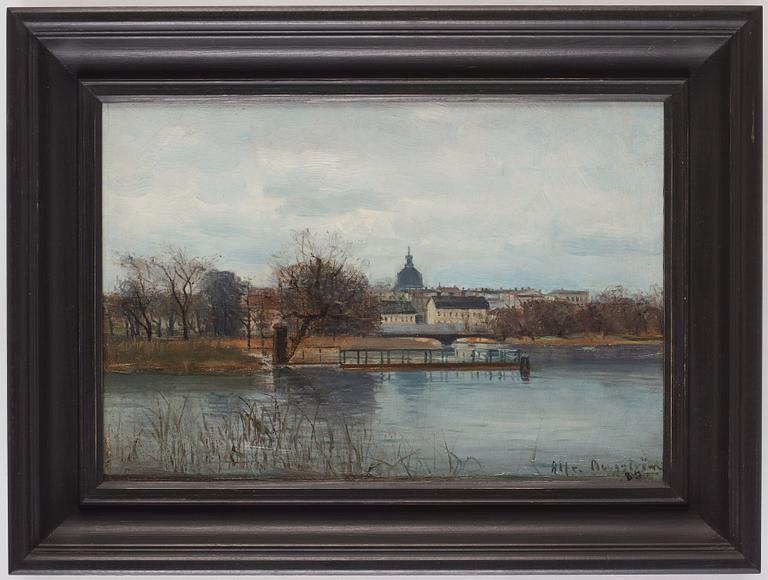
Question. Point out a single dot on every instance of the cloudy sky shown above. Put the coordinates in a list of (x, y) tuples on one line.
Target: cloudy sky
[(542, 194)]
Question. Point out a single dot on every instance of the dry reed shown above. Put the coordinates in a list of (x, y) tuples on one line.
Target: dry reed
[(269, 439)]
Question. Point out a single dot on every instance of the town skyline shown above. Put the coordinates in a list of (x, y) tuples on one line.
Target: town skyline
[(389, 282)]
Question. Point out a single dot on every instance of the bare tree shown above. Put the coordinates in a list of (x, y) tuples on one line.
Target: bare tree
[(139, 292), (110, 305), (554, 318), (518, 322), (322, 290), (505, 322), (248, 311), (181, 275), (257, 310), (166, 313)]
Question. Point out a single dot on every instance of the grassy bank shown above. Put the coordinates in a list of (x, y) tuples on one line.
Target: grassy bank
[(230, 356), (198, 356)]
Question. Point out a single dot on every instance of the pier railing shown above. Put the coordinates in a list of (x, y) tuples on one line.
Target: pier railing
[(427, 356), (389, 356), (317, 355), (378, 357)]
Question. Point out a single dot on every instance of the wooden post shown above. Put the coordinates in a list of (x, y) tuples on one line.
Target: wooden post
[(280, 344), (525, 367)]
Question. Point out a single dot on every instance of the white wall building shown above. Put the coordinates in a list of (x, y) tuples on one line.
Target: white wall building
[(464, 312)]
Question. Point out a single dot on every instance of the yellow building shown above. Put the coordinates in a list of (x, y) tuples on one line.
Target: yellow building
[(397, 312), (470, 312)]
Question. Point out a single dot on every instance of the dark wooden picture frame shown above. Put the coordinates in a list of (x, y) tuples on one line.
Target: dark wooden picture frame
[(703, 63)]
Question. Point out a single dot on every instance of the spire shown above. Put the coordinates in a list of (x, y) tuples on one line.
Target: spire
[(409, 259)]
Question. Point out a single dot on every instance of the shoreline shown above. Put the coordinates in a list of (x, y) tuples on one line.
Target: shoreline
[(250, 365), (587, 341)]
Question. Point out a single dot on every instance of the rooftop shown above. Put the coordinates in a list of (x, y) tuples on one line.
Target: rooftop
[(397, 307), (564, 291), (461, 302)]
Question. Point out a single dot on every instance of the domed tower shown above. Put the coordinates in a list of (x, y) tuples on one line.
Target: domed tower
[(409, 278)]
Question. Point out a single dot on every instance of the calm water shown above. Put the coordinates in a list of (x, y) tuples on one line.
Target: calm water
[(583, 412)]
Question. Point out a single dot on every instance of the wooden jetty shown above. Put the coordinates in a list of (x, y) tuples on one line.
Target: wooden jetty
[(398, 359)]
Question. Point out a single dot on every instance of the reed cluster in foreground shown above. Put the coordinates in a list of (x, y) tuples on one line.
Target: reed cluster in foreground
[(274, 439)]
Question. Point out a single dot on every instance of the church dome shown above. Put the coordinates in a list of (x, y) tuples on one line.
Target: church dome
[(409, 278)]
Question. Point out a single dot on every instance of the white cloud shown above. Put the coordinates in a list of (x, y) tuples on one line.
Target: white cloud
[(494, 193)]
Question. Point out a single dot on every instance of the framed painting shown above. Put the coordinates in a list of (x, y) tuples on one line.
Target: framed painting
[(385, 289)]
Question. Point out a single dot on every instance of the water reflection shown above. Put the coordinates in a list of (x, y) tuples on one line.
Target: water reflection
[(579, 408), (329, 392)]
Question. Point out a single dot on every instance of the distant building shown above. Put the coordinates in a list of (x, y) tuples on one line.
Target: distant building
[(579, 297), (465, 312), (526, 295), (409, 278), (263, 305), (499, 299), (450, 291), (420, 301), (390, 295), (397, 312)]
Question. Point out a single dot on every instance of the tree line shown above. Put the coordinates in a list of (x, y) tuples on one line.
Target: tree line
[(319, 290), (177, 295), (172, 294), (614, 311)]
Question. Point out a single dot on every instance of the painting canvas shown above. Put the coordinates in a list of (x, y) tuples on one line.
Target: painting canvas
[(383, 289)]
